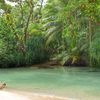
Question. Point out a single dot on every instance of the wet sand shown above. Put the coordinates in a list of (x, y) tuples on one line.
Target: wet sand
[(17, 95)]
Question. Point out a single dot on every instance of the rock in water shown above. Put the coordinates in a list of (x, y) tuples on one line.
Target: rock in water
[(2, 85)]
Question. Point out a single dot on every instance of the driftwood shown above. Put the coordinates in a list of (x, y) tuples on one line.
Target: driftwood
[(2, 85)]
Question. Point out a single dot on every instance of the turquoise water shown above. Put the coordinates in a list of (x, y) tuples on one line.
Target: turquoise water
[(72, 82)]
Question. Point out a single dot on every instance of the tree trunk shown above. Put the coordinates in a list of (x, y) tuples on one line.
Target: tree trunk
[(28, 20), (90, 40)]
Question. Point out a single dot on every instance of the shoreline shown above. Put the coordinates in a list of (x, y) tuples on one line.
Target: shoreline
[(20, 95)]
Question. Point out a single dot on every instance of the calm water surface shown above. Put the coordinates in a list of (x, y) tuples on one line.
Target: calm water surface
[(68, 82)]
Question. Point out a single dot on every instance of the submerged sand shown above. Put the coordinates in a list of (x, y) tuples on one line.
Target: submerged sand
[(12, 95)]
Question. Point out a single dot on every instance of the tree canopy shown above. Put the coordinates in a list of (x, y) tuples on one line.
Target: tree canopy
[(64, 30)]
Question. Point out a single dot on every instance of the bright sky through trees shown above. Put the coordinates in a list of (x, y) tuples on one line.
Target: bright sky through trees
[(8, 2), (13, 3)]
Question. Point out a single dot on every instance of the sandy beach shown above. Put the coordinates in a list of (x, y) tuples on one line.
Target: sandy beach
[(15, 95)]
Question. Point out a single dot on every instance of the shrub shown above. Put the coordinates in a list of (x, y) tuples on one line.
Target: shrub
[(35, 52)]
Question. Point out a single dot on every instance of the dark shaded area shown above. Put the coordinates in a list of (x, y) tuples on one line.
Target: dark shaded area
[(79, 63)]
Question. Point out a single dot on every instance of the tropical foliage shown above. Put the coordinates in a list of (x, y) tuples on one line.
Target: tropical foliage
[(64, 30)]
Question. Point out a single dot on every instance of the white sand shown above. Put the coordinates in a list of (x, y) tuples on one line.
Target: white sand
[(11, 96), (5, 95)]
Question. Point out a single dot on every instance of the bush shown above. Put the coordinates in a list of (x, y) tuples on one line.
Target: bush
[(95, 51), (35, 52)]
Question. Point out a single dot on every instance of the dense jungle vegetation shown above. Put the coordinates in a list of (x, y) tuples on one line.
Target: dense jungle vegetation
[(67, 31)]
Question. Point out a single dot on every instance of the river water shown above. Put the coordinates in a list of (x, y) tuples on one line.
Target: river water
[(82, 84)]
